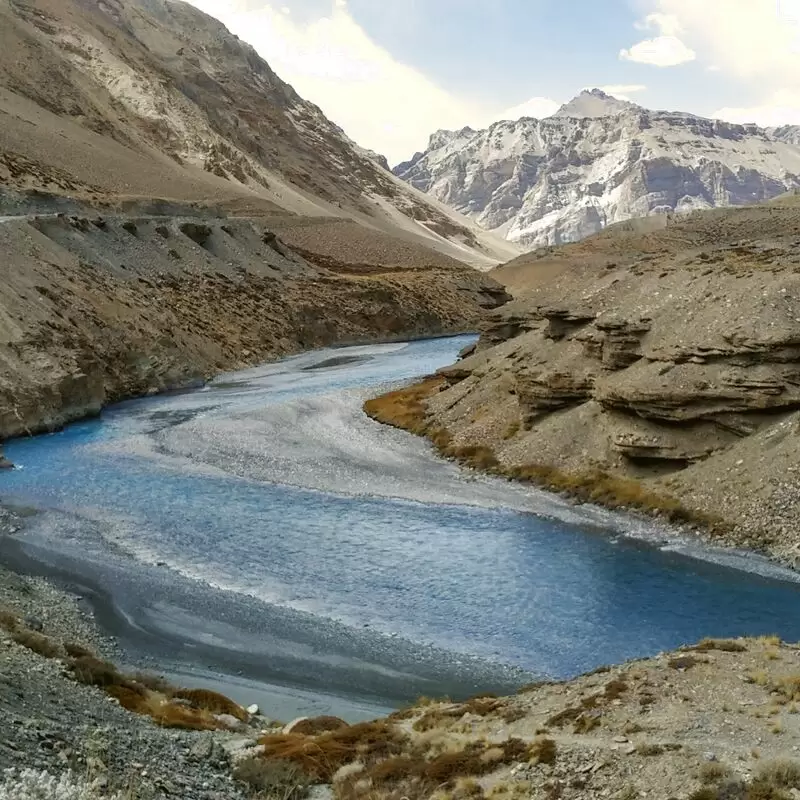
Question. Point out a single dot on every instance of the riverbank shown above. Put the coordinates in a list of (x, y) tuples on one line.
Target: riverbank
[(99, 309), (652, 372), (713, 721)]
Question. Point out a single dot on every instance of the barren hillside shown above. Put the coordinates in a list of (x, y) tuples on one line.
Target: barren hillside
[(649, 366)]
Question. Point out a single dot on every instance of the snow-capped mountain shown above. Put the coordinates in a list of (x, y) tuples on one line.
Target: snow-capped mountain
[(597, 161)]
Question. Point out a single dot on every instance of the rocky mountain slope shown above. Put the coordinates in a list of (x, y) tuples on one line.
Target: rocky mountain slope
[(154, 98), (653, 368), (95, 309), (598, 161)]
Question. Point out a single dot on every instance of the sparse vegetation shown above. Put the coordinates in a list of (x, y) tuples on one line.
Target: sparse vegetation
[(714, 773), (405, 409), (275, 780), (39, 643), (724, 645)]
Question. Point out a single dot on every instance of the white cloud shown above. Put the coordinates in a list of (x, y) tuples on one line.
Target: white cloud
[(536, 107), (781, 108), (664, 50), (755, 44), (381, 103)]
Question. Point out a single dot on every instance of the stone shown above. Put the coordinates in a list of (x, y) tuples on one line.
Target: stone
[(253, 710)]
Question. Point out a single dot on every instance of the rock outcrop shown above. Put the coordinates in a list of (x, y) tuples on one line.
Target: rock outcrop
[(667, 360), (598, 161)]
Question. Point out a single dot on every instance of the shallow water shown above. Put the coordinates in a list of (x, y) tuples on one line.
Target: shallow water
[(265, 526)]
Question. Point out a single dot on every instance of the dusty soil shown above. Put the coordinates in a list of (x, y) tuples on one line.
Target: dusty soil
[(655, 369), (101, 308)]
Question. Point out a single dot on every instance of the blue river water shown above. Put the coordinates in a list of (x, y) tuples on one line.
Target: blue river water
[(266, 508)]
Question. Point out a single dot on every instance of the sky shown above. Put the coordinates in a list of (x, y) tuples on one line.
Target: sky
[(391, 72)]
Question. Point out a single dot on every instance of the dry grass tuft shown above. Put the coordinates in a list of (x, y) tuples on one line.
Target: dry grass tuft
[(75, 650), (713, 773), (318, 725), (322, 756), (174, 715), (38, 643), (543, 751), (780, 772), (404, 408), (9, 621), (724, 645), (273, 779), (215, 703)]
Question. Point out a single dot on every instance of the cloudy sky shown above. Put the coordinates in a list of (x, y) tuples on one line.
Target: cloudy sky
[(391, 72)]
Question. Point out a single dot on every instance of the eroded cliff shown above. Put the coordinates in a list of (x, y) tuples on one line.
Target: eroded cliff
[(94, 309), (648, 369)]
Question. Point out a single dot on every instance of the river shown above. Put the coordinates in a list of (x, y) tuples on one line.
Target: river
[(262, 534)]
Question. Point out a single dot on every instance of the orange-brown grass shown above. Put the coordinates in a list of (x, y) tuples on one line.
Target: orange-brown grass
[(405, 408), (318, 725), (129, 698), (9, 621), (322, 756), (39, 643), (543, 751), (174, 715), (597, 486), (75, 650), (206, 700)]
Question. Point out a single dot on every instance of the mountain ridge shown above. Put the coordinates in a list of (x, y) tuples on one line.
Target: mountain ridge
[(156, 98), (598, 161)]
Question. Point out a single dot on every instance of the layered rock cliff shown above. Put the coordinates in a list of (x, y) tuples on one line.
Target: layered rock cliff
[(598, 161), (657, 370)]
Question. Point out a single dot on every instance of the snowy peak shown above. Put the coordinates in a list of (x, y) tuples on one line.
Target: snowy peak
[(443, 138), (594, 103), (598, 161)]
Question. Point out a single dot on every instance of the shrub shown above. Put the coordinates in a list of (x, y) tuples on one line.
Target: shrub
[(93, 671), (405, 408), (713, 773), (273, 779), (29, 784), (174, 715), (322, 756), (38, 643), (155, 683), (130, 227), (615, 688), (75, 650), (543, 751), (8, 620), (214, 702), (317, 725), (646, 749), (780, 772), (128, 698)]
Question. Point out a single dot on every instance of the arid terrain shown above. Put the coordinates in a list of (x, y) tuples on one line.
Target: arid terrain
[(650, 366), (714, 721), (171, 209)]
